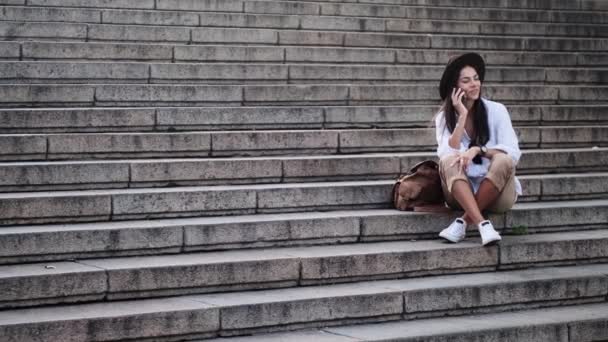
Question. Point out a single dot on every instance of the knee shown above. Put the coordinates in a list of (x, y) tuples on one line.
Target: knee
[(503, 163)]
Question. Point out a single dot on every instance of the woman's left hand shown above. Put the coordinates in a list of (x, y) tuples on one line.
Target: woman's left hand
[(465, 158)]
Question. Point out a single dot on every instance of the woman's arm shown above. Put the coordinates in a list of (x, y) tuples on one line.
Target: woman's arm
[(456, 136), (506, 138)]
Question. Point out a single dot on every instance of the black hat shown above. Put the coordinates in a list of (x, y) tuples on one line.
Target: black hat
[(452, 71)]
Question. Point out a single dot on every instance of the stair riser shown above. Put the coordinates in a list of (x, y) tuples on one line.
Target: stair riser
[(188, 203), (61, 147), (257, 54), (248, 118), (172, 237), (307, 22), (261, 95), (57, 73)]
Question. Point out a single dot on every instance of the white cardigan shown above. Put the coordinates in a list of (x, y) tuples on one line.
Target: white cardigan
[(502, 137)]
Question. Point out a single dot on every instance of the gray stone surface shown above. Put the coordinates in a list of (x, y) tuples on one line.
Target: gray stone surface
[(585, 114), (393, 225), (10, 50), (241, 311), (342, 24), (95, 51), (186, 272), (478, 42), (558, 215), (573, 185), (211, 53), (56, 242), (201, 5), (311, 38), (48, 283), (149, 18), (50, 14), (239, 117), (62, 146), (94, 3), (345, 55), (343, 168), (583, 94), (37, 94), (394, 116), (249, 20), (211, 170), (81, 119), (148, 94), (369, 194), (390, 259), (21, 30), (14, 145), (559, 44), (274, 142), (154, 202), (377, 73), (138, 33), (410, 41), (296, 93), (233, 35), (46, 207), (220, 72), (259, 230), (562, 248), (24, 176), (168, 317), (574, 136), (392, 93), (32, 72), (282, 7), (581, 158), (386, 140)]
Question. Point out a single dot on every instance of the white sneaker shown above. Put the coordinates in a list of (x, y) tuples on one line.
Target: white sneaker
[(488, 234), (455, 232)]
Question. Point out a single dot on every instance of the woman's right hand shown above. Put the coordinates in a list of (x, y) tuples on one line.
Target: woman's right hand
[(457, 96)]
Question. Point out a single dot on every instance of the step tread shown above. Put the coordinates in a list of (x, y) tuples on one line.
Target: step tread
[(444, 328), (307, 293)]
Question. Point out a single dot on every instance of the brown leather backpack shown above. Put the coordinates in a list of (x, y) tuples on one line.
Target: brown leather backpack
[(420, 189)]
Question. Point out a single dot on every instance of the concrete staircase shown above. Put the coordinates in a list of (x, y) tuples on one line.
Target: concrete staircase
[(221, 170)]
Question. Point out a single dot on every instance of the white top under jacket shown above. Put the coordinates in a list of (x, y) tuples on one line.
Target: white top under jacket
[(502, 137)]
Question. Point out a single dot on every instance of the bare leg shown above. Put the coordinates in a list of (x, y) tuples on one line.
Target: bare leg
[(462, 192), (485, 196)]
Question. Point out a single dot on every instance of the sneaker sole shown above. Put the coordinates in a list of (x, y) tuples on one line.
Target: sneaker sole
[(491, 243), (450, 238)]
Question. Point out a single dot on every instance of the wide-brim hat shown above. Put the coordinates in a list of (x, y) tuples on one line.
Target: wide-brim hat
[(452, 71)]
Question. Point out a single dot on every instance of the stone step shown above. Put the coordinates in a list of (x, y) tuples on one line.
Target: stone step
[(75, 175), (533, 11), (72, 146), (65, 120), (331, 305), (220, 73), (162, 236), (582, 5), (37, 50), (305, 22), (153, 276), (129, 204), (203, 35), (120, 95), (573, 323)]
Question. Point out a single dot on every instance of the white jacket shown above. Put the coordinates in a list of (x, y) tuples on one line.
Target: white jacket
[(502, 137)]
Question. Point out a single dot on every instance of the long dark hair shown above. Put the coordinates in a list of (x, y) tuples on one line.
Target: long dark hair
[(480, 119)]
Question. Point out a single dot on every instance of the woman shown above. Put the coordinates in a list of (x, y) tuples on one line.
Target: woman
[(478, 150)]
